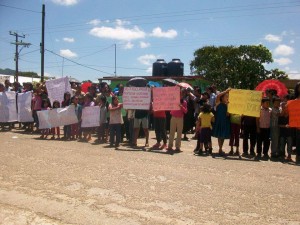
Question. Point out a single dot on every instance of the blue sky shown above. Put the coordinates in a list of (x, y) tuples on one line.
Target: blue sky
[(87, 31)]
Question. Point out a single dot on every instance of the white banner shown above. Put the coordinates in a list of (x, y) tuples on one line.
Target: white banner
[(8, 107), (136, 98), (24, 107), (56, 89), (90, 116), (57, 117)]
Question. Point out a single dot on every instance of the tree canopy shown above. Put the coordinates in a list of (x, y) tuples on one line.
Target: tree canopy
[(236, 67)]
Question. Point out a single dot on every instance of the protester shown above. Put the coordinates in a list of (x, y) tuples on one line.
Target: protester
[(78, 112), (263, 129), (205, 119), (141, 119), (159, 118), (102, 131), (115, 122), (46, 105), (249, 133), (235, 128), (274, 127), (87, 131), (221, 127), (65, 103), (55, 130)]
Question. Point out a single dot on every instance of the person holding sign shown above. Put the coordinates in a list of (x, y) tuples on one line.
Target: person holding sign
[(115, 122), (221, 128), (293, 108)]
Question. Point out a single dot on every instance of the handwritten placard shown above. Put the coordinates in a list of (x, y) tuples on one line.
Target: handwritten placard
[(90, 116), (24, 107), (136, 98), (166, 98), (57, 87), (294, 115), (8, 109), (245, 102), (57, 117)]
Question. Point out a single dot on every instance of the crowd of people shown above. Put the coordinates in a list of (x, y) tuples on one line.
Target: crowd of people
[(201, 113)]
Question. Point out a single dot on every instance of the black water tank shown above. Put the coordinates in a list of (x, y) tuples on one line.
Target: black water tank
[(159, 68), (175, 68)]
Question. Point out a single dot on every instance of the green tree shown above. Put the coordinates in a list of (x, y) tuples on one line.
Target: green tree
[(230, 66), (278, 74)]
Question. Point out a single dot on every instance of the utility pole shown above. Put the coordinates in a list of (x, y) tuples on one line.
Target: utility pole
[(115, 60), (17, 43), (43, 44)]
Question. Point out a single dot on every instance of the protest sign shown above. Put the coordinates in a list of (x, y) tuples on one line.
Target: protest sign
[(90, 116), (57, 87), (136, 98), (24, 107), (123, 111), (245, 102), (294, 116), (8, 108), (57, 117), (166, 98)]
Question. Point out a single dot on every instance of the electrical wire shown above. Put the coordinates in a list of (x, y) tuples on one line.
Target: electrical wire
[(13, 7)]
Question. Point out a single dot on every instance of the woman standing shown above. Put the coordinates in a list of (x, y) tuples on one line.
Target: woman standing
[(221, 128)]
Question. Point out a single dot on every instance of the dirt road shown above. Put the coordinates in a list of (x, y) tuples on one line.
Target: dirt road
[(59, 182)]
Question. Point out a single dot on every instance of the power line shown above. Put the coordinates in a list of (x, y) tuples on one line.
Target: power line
[(79, 64), (13, 7)]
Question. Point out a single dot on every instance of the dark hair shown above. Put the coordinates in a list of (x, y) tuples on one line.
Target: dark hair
[(205, 93), (206, 108), (56, 102), (88, 95), (113, 99), (275, 98), (103, 98), (265, 99), (288, 97), (46, 101), (297, 91)]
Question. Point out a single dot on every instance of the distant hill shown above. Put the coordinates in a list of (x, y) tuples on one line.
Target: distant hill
[(23, 74)]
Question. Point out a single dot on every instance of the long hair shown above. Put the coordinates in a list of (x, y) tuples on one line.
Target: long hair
[(297, 90)]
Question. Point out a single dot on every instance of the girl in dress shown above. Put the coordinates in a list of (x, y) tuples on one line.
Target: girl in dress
[(45, 106), (221, 127), (65, 103), (55, 130)]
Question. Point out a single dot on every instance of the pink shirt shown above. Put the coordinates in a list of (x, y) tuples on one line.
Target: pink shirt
[(265, 117), (180, 113), (37, 102)]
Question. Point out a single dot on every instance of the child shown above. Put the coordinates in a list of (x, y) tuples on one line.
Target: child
[(204, 127), (285, 132), (87, 131), (263, 128), (221, 128), (235, 125), (45, 106), (102, 137), (78, 112), (115, 122), (55, 129), (65, 103), (249, 132), (274, 127), (160, 129)]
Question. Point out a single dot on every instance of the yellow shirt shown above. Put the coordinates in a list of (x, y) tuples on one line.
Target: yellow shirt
[(205, 119)]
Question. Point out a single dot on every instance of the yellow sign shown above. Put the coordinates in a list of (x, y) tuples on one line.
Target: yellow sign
[(244, 102)]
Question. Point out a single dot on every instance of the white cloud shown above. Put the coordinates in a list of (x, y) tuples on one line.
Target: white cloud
[(147, 59), (71, 40), (67, 53), (157, 32), (118, 33), (129, 45), (65, 2), (284, 50), (283, 61), (144, 44), (294, 74), (94, 22), (273, 38), (121, 23)]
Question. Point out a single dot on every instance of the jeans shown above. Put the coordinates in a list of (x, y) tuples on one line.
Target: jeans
[(249, 132), (286, 141), (115, 130), (263, 138), (160, 129), (274, 140)]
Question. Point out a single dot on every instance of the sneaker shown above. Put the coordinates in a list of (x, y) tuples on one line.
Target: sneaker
[(266, 157), (169, 149), (177, 150), (231, 152), (252, 154), (245, 154)]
